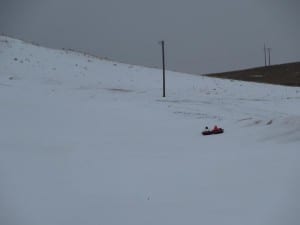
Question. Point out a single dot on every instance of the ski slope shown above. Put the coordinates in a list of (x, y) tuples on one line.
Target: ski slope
[(90, 141)]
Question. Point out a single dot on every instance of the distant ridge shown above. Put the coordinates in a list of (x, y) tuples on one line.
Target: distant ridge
[(283, 74)]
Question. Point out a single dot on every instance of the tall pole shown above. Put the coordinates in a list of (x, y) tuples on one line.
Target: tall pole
[(269, 51), (265, 55), (163, 62)]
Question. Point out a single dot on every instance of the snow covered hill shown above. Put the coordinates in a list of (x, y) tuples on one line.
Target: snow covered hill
[(90, 141)]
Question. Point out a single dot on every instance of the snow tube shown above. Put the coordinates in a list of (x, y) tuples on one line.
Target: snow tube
[(210, 132)]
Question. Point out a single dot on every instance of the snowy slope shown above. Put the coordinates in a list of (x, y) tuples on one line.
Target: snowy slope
[(90, 141)]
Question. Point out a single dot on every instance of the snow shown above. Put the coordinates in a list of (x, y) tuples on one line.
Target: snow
[(90, 141)]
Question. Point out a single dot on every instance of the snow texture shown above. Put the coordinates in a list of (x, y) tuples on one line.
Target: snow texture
[(89, 141)]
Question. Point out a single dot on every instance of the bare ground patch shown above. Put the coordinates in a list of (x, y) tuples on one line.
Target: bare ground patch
[(284, 74)]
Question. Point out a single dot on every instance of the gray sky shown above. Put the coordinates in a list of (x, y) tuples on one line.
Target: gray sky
[(201, 36)]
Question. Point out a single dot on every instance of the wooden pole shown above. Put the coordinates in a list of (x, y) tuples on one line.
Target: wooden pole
[(269, 51), (265, 55), (164, 72)]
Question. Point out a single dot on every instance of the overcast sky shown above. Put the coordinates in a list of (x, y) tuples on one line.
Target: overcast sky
[(201, 36)]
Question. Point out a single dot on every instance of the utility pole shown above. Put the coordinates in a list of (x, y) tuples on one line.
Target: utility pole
[(163, 62), (265, 53), (269, 52)]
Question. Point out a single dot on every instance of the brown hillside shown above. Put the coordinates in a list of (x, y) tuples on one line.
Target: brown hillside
[(283, 74)]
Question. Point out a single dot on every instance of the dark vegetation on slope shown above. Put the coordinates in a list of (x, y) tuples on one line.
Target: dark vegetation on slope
[(283, 74)]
